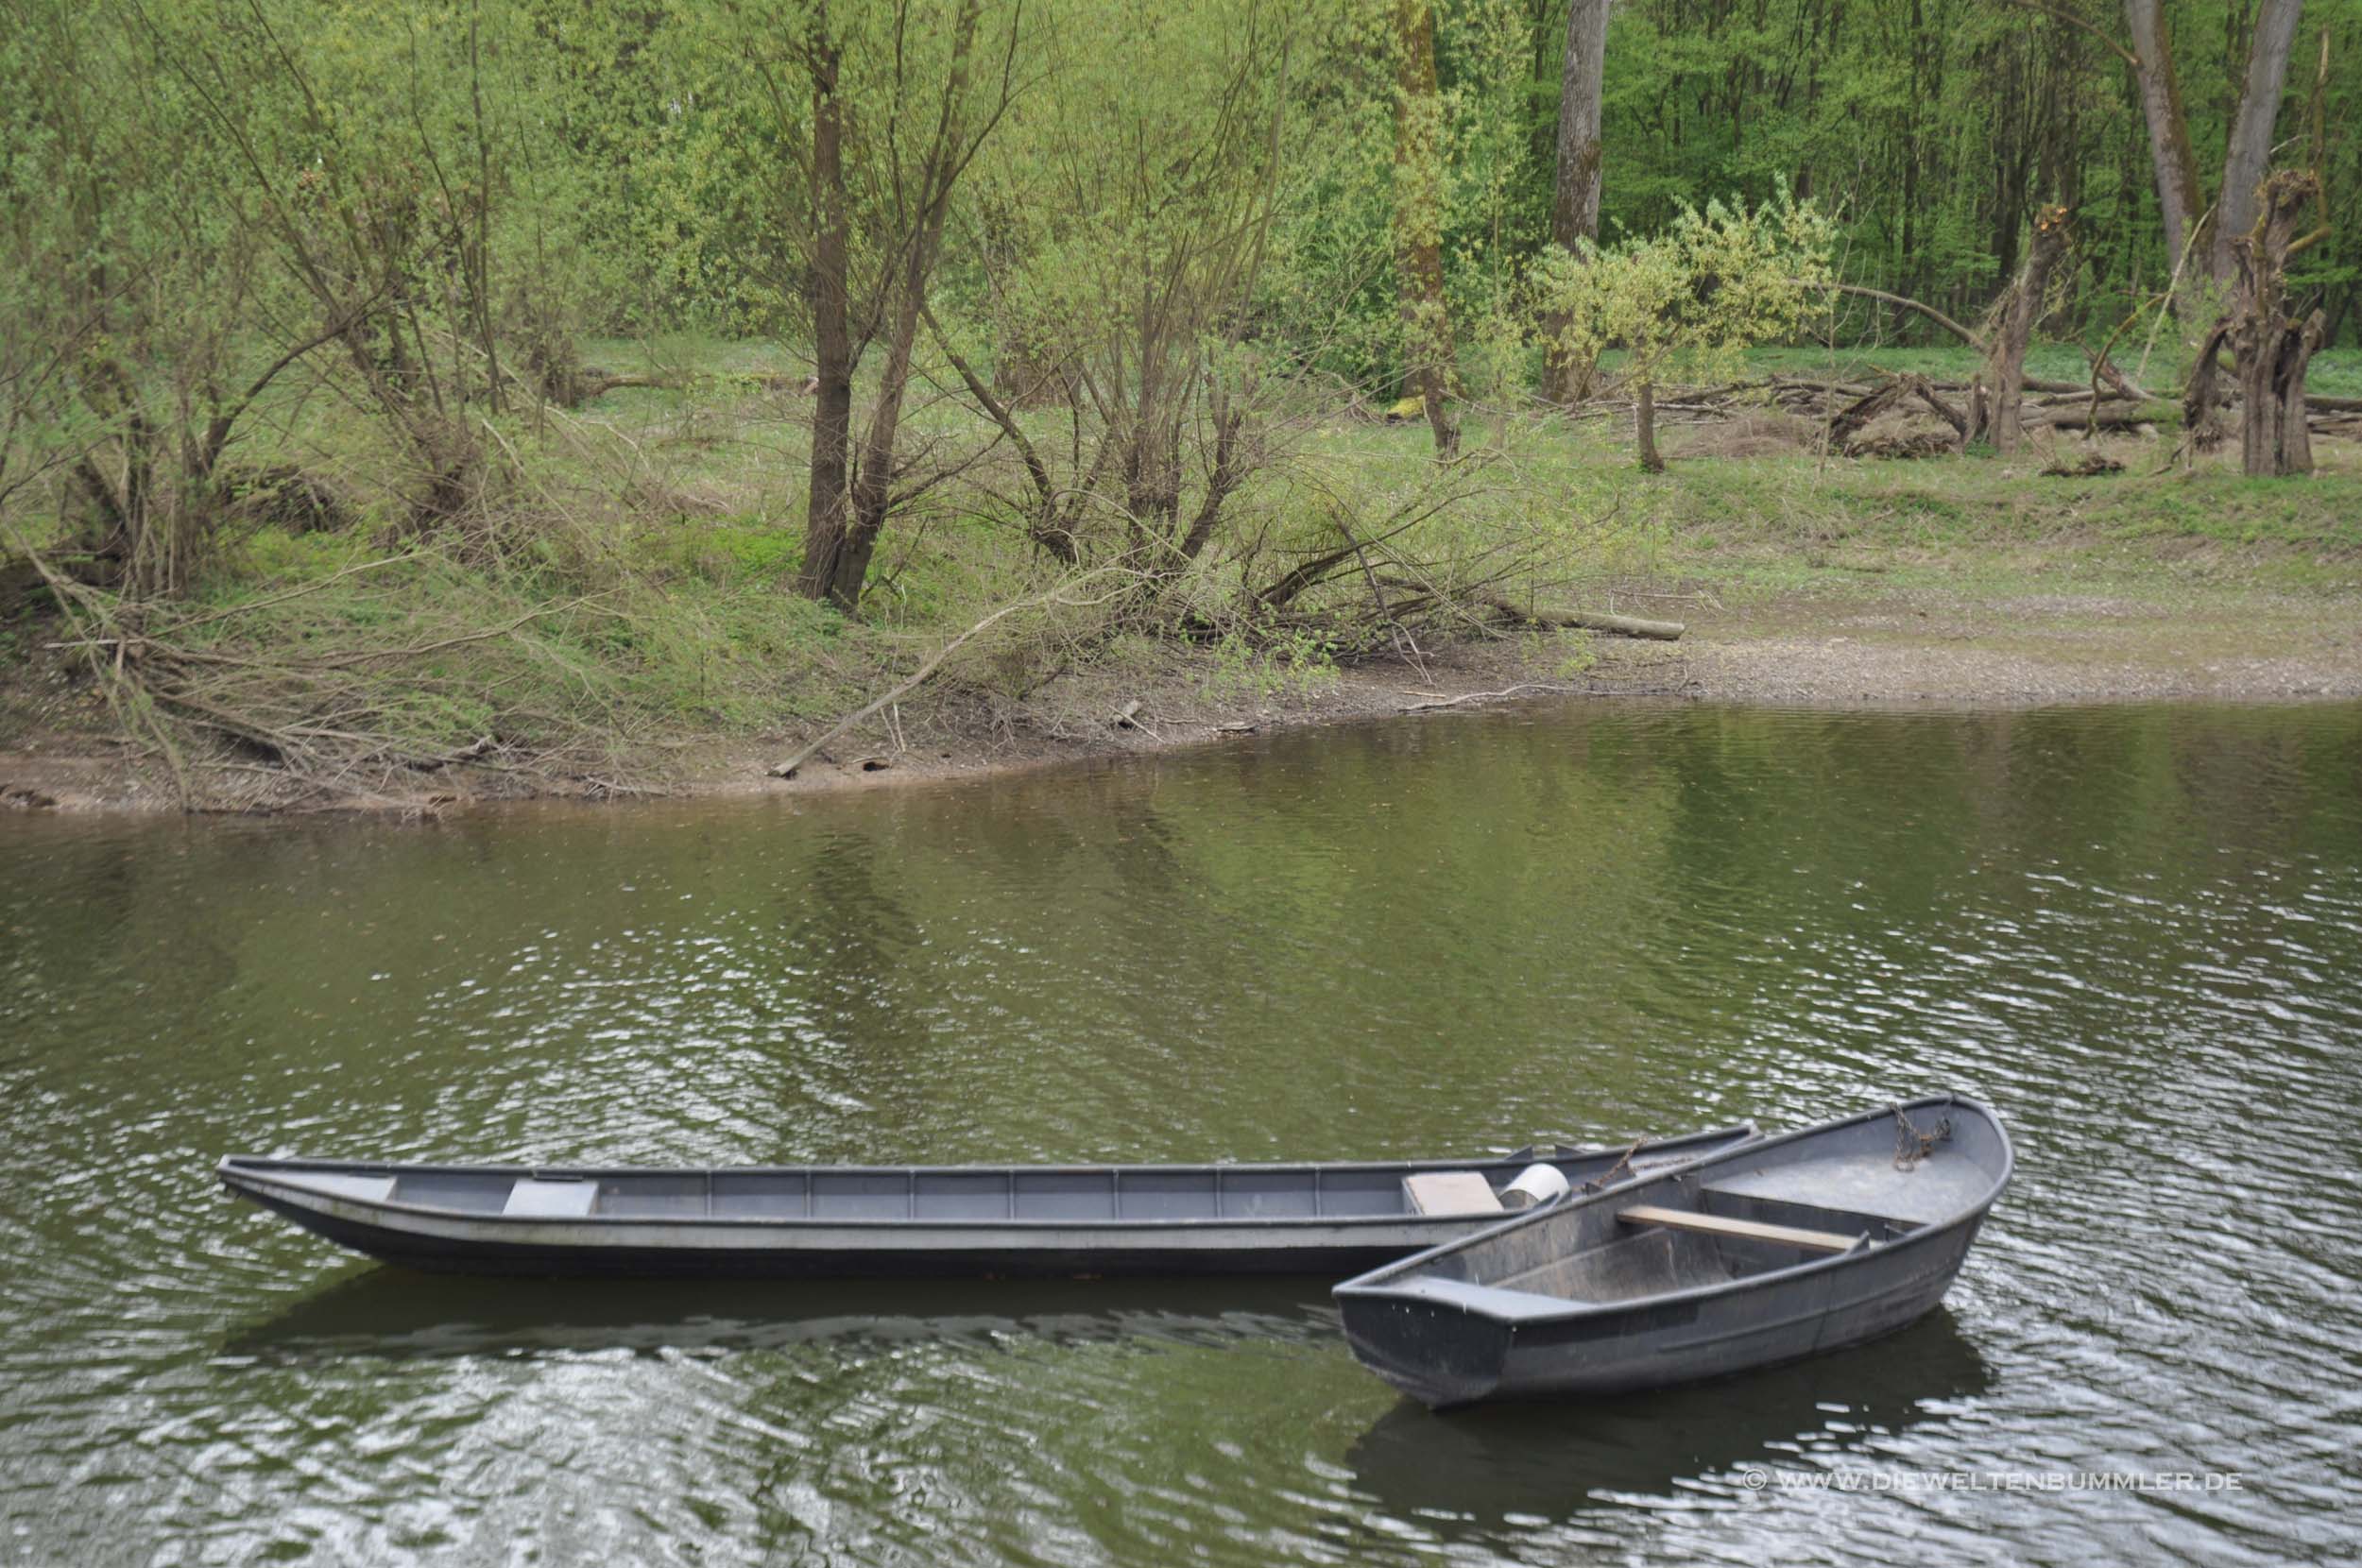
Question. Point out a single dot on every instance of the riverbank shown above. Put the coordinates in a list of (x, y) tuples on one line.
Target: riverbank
[(633, 631), (1830, 643)]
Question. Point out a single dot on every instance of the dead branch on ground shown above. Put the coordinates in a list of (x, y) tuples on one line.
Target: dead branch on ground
[(1063, 594)]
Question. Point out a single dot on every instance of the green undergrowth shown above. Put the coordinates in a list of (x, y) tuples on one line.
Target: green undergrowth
[(630, 582)]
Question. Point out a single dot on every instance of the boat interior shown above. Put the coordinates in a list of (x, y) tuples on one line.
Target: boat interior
[(907, 1194), (1753, 1212)]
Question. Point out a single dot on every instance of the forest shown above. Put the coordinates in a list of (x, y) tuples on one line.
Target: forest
[(539, 391)]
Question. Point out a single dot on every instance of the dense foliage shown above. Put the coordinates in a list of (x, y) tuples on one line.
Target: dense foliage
[(1150, 226), (1935, 127)]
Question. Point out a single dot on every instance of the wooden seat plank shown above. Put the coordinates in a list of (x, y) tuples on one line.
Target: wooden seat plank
[(1450, 1192), (532, 1199), (1748, 1230)]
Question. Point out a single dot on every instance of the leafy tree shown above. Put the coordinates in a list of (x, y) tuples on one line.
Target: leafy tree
[(1714, 281), (132, 318), (1117, 248), (1420, 201), (869, 114)]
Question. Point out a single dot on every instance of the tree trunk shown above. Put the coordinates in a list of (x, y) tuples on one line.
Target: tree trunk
[(1575, 202), (2273, 348), (2179, 197), (1419, 226), (832, 337), (1644, 426), (839, 566), (873, 476), (2251, 147), (1994, 402), (2202, 402)]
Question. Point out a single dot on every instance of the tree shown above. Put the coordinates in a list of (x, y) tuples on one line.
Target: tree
[(1995, 397), (2172, 163), (1419, 211), (853, 489), (2198, 247), (2271, 347), (1575, 191), (1125, 294), (132, 314), (2250, 150), (1714, 281), (873, 110)]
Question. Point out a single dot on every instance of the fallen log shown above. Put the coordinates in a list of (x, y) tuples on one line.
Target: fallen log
[(2035, 383), (1953, 417), (597, 384), (1518, 690), (1849, 419), (1589, 620), (1909, 445), (2118, 415), (2090, 465), (1828, 400)]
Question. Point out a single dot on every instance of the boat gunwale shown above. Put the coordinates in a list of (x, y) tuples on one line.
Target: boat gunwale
[(239, 1172), (1380, 1284)]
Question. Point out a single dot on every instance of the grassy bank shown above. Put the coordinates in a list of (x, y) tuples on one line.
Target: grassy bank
[(618, 616)]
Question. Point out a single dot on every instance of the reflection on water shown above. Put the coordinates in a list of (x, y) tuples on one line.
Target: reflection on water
[(1490, 1472), (399, 1314), (2137, 931)]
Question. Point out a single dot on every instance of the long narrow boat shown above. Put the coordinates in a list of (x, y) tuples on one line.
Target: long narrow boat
[(843, 1220), (1759, 1254)]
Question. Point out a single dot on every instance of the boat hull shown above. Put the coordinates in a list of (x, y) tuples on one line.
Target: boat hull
[(338, 1203), (1786, 1248), (917, 1252), (1443, 1355)]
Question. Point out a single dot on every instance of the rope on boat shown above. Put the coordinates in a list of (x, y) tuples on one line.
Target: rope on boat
[(1912, 1144)]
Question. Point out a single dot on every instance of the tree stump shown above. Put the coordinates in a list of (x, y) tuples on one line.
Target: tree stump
[(1994, 396), (2271, 349)]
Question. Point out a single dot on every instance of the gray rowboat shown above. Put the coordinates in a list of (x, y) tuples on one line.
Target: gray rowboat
[(1759, 1254), (847, 1221)]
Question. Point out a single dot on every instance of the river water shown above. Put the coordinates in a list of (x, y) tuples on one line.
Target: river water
[(2137, 931)]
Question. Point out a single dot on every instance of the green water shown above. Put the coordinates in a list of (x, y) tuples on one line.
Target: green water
[(2136, 932)]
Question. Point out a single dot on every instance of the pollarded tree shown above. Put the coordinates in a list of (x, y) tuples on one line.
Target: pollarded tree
[(370, 149), (1994, 396), (1688, 301), (2272, 342)]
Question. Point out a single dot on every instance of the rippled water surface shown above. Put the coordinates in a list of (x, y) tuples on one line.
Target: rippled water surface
[(2136, 932)]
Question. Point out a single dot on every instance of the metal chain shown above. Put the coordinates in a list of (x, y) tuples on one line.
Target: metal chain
[(1601, 1180)]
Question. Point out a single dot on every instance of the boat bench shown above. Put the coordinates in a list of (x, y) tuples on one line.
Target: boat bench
[(533, 1198), (1741, 1230)]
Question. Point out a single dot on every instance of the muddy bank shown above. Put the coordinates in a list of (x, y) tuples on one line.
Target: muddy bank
[(1924, 646)]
